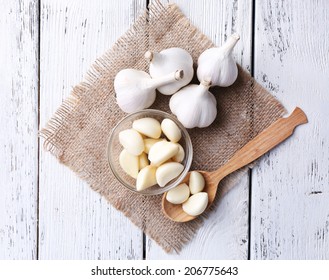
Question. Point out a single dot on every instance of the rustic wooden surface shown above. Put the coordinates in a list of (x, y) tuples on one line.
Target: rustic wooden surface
[(19, 127), (46, 212), (290, 187)]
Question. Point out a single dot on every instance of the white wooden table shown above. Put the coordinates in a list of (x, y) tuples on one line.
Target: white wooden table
[(279, 211)]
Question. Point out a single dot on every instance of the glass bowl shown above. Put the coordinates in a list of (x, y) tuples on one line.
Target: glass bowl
[(114, 149)]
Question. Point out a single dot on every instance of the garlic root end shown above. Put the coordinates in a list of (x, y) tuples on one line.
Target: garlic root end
[(179, 74), (149, 56)]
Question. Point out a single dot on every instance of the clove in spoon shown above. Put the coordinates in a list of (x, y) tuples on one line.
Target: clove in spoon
[(262, 143)]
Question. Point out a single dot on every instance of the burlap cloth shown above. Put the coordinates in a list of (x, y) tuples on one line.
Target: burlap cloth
[(77, 133)]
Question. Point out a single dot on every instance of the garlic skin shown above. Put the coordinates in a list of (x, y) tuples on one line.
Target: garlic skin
[(135, 89), (167, 61), (194, 105), (217, 64)]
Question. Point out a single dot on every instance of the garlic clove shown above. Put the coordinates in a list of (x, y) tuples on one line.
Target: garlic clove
[(171, 130), (146, 178), (196, 182), (149, 142), (167, 61), (218, 65), (179, 157), (194, 105), (148, 126), (178, 194), (143, 161), (132, 141), (168, 171), (129, 163), (196, 204), (162, 151)]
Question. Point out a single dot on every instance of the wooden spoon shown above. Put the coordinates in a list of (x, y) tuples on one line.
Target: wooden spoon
[(262, 143)]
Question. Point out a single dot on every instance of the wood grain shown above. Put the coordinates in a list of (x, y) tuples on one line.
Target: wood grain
[(225, 233), (75, 222), (19, 126), (290, 187)]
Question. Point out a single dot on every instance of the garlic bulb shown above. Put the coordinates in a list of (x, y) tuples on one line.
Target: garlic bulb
[(218, 65), (194, 105), (135, 89), (167, 61)]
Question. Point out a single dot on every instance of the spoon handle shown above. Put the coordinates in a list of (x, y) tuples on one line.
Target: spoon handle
[(262, 143)]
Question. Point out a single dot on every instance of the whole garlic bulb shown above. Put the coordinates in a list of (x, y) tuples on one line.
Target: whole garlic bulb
[(218, 65), (167, 61), (135, 89), (194, 105)]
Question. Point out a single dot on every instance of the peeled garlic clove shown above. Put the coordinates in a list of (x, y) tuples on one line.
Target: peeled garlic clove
[(162, 151), (178, 194), (146, 178), (196, 182), (129, 163), (148, 126), (179, 157), (149, 142), (196, 204), (171, 130), (218, 65), (143, 161), (132, 141), (167, 61), (168, 171), (194, 105)]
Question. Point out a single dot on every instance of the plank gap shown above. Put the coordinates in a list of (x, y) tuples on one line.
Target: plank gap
[(253, 32), (144, 246), (249, 212), (252, 63), (38, 117)]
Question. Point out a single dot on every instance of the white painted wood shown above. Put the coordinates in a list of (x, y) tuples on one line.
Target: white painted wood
[(290, 210), (75, 222), (290, 188), (19, 126), (225, 234)]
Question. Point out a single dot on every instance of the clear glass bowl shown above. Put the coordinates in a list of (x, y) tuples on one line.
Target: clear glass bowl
[(114, 149)]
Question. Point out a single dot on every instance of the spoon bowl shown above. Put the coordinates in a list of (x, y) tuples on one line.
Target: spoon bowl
[(175, 211), (262, 143)]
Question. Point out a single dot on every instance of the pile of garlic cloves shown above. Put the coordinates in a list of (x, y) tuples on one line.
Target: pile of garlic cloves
[(151, 152), (170, 72)]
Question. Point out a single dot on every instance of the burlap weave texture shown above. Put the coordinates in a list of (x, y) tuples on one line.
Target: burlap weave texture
[(77, 134)]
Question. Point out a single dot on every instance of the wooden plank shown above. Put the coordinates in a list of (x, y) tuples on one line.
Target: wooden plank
[(225, 234), (290, 190), (19, 126), (75, 222)]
